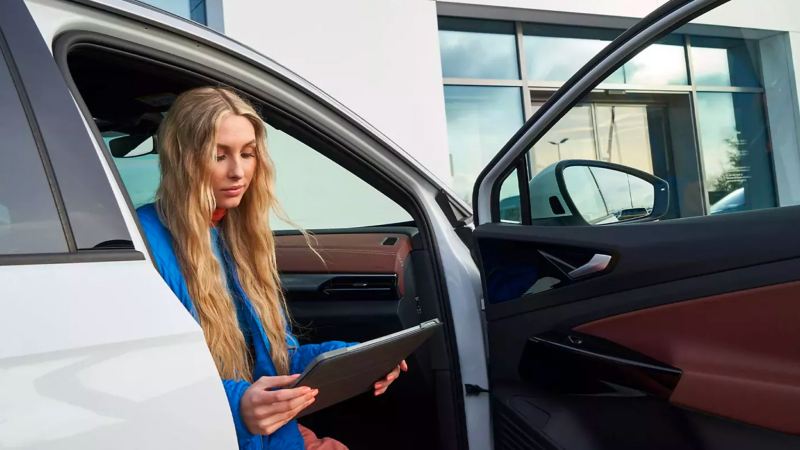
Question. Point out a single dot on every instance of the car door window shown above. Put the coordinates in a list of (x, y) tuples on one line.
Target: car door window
[(315, 192), (29, 220), (318, 193)]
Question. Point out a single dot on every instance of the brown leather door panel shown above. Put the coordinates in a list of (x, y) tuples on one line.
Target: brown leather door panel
[(739, 352), (354, 253)]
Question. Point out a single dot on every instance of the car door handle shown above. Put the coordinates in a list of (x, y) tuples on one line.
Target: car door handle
[(598, 263)]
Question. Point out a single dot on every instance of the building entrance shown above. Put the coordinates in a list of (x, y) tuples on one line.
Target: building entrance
[(649, 132)]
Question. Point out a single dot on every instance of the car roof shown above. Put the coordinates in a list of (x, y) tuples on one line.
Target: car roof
[(171, 22)]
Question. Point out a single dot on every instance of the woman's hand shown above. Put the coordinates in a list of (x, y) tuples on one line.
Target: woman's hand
[(264, 410), (382, 385)]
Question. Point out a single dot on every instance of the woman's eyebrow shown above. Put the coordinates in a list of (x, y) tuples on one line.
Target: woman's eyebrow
[(228, 147)]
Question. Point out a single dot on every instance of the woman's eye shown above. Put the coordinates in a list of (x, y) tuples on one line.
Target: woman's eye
[(220, 157), (248, 155)]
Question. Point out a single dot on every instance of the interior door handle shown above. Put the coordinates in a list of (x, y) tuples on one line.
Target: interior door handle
[(598, 263)]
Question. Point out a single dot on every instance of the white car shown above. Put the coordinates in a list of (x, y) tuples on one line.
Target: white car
[(557, 333)]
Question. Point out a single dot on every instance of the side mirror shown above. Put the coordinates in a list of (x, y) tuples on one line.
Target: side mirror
[(132, 145), (596, 193)]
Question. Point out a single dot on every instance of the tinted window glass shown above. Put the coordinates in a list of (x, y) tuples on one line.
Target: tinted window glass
[(736, 161), (29, 222), (318, 193), (480, 119), (189, 9), (478, 49), (315, 192), (725, 62), (555, 53)]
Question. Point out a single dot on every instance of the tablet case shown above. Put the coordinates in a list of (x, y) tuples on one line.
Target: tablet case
[(346, 372)]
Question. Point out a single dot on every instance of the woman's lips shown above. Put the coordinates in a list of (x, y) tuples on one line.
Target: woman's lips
[(233, 192)]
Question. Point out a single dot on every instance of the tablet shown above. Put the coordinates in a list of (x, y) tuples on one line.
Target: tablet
[(346, 372)]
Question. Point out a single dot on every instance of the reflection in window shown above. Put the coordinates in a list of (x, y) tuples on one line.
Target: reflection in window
[(189, 9), (585, 194), (478, 49), (724, 62), (555, 53), (658, 64), (609, 132), (733, 136), (480, 120), (624, 136), (572, 137), (607, 196), (557, 58)]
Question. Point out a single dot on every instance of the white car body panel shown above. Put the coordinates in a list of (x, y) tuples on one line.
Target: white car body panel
[(102, 355), (132, 335)]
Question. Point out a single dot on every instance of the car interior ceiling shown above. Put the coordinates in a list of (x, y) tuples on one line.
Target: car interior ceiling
[(129, 93)]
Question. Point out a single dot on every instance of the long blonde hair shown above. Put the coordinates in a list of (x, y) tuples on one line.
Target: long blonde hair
[(185, 202)]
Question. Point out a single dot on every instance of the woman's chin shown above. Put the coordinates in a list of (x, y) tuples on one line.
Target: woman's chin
[(229, 202)]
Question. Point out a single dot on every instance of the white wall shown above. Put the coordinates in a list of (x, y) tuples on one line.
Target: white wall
[(378, 57)]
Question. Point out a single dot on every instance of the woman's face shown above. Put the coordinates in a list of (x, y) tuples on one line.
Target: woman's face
[(235, 163)]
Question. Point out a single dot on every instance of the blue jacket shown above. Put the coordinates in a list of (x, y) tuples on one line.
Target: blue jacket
[(160, 241)]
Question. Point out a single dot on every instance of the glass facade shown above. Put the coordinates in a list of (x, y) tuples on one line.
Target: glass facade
[(478, 49), (189, 9), (555, 53), (480, 119), (725, 62), (737, 167), (638, 116)]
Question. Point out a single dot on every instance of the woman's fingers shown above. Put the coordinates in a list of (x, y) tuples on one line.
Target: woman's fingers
[(281, 395), (275, 421), (275, 382), (264, 409), (274, 407), (382, 385)]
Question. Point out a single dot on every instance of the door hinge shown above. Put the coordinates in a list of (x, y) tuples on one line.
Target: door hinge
[(474, 389)]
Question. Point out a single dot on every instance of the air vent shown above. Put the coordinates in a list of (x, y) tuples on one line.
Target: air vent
[(389, 241), (362, 287)]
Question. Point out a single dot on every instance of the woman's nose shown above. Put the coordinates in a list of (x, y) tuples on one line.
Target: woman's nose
[(236, 169)]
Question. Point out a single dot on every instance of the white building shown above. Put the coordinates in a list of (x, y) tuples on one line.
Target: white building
[(712, 107)]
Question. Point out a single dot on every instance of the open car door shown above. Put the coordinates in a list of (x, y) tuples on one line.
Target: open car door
[(628, 312)]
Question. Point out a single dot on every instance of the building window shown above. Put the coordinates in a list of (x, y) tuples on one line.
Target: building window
[(713, 85), (189, 9), (480, 119), (478, 49)]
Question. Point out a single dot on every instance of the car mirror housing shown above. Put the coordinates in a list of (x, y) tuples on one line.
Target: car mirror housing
[(597, 193)]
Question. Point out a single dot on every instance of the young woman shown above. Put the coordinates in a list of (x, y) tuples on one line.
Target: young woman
[(210, 238)]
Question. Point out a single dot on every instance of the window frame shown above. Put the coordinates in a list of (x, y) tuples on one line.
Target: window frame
[(303, 131), (45, 103), (70, 160)]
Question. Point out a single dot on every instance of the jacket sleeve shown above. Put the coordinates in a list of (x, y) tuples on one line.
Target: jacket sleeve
[(234, 390), (304, 354)]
